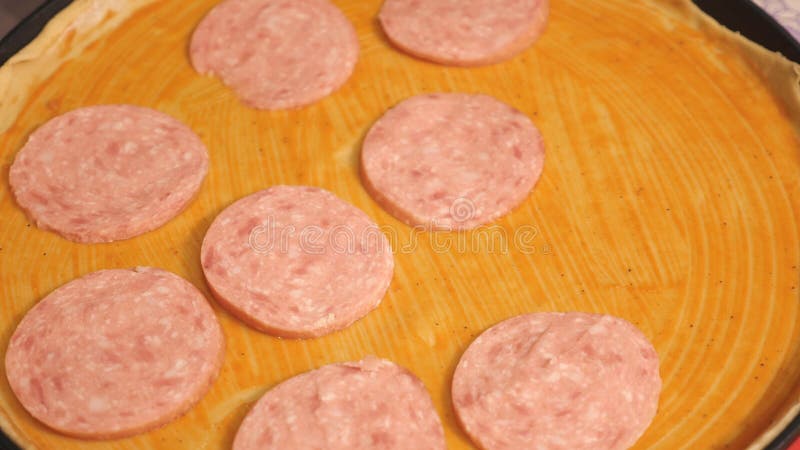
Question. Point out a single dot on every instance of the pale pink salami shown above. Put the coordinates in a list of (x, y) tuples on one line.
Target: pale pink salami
[(369, 404), (464, 32), (276, 54), (296, 261), (557, 381), (106, 173), (115, 353), (451, 161)]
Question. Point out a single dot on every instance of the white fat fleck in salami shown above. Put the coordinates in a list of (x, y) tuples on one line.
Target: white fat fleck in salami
[(276, 54), (296, 261), (115, 353), (106, 173), (557, 381), (369, 404), (451, 161), (464, 32)]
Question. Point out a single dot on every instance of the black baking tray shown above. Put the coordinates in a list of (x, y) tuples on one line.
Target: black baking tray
[(739, 15)]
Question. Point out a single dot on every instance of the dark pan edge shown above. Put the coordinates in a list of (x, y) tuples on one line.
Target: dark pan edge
[(739, 15), (753, 23), (6, 443), (786, 437), (29, 28)]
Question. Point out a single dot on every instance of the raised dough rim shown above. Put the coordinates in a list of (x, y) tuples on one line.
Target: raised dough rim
[(84, 21)]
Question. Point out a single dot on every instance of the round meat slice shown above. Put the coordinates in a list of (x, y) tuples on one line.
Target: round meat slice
[(464, 32), (368, 404), (451, 161), (106, 173), (276, 54), (557, 381), (115, 353), (296, 261)]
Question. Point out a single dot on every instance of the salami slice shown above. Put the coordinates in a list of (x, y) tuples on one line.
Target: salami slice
[(296, 261), (369, 404), (115, 353), (276, 54), (557, 381), (451, 161), (106, 173), (464, 32)]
